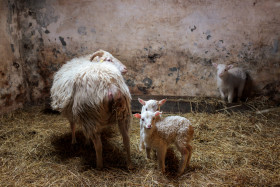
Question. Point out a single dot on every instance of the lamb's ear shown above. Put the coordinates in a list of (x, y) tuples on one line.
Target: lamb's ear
[(161, 102), (98, 53), (157, 113), (215, 65), (229, 67), (142, 101), (137, 115)]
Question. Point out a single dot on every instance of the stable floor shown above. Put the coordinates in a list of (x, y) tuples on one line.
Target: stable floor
[(229, 148)]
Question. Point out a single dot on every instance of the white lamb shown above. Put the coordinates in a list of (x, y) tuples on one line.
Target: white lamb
[(159, 133), (152, 106), (229, 79), (94, 95)]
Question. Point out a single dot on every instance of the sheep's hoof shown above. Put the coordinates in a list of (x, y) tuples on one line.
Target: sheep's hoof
[(99, 166), (180, 173), (130, 167)]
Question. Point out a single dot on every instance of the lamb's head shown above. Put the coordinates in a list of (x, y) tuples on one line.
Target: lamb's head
[(148, 118), (101, 55), (151, 105), (222, 69)]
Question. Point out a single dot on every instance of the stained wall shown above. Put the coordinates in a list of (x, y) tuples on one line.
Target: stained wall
[(168, 46)]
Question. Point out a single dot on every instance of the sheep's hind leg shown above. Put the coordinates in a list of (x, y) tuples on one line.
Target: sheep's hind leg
[(123, 127), (73, 129), (98, 149)]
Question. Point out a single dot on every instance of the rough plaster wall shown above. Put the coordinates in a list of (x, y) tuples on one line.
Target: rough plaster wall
[(13, 88), (168, 46)]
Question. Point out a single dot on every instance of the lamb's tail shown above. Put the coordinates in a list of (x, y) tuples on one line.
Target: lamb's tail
[(191, 132)]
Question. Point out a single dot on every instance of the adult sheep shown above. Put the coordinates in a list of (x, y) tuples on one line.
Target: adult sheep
[(91, 91)]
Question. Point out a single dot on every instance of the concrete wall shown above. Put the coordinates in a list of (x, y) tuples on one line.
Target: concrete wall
[(12, 84), (168, 46)]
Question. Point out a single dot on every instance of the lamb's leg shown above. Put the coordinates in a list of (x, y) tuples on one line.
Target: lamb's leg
[(141, 144), (123, 127), (230, 95), (148, 152), (161, 153), (189, 147), (98, 149), (240, 90), (222, 94), (185, 157), (73, 128)]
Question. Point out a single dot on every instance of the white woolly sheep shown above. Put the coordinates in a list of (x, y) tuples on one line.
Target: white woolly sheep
[(94, 95), (152, 106), (64, 79), (159, 133), (229, 79)]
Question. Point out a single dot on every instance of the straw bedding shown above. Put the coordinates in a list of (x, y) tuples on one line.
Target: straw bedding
[(231, 148)]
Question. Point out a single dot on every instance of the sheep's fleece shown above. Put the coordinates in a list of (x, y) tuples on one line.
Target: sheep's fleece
[(91, 82)]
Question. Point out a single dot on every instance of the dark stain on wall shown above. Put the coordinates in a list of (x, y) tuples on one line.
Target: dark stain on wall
[(207, 62), (275, 46), (62, 41), (192, 29), (34, 7), (272, 90), (143, 89), (13, 48), (55, 52), (130, 82), (147, 82), (16, 65), (82, 31), (173, 69), (152, 57)]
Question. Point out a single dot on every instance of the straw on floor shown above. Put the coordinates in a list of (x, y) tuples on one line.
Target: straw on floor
[(233, 148)]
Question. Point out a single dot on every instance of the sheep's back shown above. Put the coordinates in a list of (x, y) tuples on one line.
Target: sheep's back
[(173, 128), (63, 83), (93, 84)]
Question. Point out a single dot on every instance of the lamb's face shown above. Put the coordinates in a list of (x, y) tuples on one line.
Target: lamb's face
[(151, 105), (147, 120), (222, 70)]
